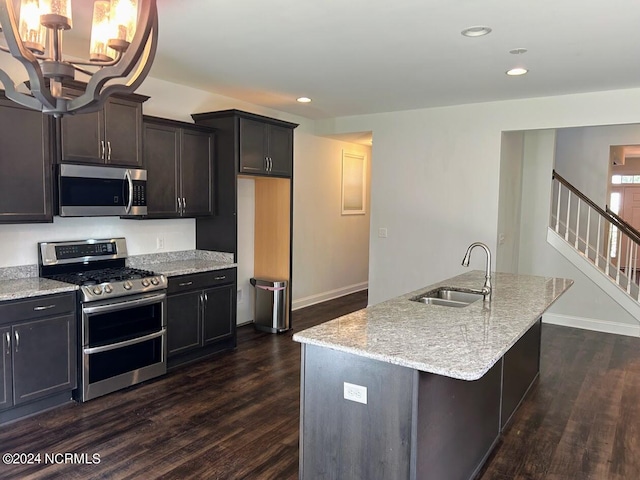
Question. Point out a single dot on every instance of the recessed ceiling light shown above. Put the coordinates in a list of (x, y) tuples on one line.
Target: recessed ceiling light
[(518, 51), (303, 100), (477, 31), (514, 72)]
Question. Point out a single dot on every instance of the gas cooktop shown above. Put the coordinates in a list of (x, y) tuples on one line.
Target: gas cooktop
[(98, 267)]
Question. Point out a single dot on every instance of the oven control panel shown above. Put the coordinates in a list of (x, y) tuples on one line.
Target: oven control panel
[(127, 287)]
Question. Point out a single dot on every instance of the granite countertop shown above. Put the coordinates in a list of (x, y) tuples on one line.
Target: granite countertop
[(17, 288), (461, 343), (23, 281), (183, 263)]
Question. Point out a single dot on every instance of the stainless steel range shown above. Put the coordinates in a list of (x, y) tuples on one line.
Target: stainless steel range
[(121, 320)]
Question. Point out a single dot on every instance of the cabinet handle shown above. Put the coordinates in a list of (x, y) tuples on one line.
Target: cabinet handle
[(220, 278), (179, 205), (270, 164), (185, 284), (206, 298), (43, 307), (109, 150), (102, 149), (184, 203), (8, 338), (17, 336)]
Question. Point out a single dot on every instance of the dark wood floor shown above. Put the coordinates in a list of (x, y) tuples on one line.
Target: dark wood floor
[(236, 415)]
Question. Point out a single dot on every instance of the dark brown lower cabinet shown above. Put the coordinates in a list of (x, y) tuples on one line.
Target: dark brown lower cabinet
[(412, 425), (39, 352), (201, 315)]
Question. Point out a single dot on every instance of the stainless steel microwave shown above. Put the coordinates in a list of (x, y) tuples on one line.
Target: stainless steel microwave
[(99, 191)]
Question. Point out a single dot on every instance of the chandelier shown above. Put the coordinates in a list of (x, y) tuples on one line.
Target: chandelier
[(124, 38)]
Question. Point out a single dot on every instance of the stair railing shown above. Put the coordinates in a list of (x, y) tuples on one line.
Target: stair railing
[(601, 236)]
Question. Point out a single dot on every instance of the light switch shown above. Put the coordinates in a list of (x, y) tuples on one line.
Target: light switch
[(382, 232)]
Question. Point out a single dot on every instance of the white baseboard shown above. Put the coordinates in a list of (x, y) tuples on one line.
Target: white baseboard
[(592, 324), (330, 295)]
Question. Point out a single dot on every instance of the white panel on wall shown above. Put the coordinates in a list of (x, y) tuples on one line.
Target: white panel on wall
[(246, 236)]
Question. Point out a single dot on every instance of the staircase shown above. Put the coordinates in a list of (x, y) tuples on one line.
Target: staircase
[(598, 242)]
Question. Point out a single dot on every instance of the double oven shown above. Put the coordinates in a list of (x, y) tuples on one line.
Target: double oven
[(122, 328)]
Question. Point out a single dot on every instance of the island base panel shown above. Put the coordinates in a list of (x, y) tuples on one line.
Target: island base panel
[(343, 439), (520, 371), (457, 425)]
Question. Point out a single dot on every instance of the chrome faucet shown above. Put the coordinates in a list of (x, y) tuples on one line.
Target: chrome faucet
[(486, 288)]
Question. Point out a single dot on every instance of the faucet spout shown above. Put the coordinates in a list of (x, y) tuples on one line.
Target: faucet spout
[(486, 288)]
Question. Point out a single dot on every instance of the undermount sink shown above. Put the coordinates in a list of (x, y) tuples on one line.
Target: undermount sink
[(448, 297)]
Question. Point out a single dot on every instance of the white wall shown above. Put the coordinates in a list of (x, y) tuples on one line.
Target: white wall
[(582, 156), (509, 202), (331, 250), (435, 180), (584, 300)]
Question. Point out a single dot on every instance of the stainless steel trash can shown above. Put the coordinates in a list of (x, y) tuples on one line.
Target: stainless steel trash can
[(271, 311)]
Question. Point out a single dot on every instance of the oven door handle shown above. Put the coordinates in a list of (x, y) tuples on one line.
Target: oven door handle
[(126, 343), (126, 304)]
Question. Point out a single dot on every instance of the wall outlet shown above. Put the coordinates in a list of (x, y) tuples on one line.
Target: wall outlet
[(355, 393), (382, 232), (160, 243), (239, 295)]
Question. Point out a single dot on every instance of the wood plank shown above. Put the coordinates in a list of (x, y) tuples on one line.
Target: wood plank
[(272, 228)]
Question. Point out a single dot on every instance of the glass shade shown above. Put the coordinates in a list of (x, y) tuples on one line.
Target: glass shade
[(124, 16), (101, 32), (56, 14), (32, 33)]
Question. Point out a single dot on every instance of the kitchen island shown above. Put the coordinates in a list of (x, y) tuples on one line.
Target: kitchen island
[(404, 390)]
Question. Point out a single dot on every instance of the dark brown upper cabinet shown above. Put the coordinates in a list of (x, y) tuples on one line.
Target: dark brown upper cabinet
[(112, 135), (265, 149), (25, 164), (265, 145), (179, 159)]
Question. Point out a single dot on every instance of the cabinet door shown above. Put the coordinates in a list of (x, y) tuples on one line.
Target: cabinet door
[(253, 146), (5, 368), (44, 357), (123, 132), (218, 313), (82, 138), (196, 166), (280, 151), (161, 151), (183, 322), (25, 178)]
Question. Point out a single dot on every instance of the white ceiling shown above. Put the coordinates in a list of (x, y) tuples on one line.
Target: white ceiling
[(356, 57)]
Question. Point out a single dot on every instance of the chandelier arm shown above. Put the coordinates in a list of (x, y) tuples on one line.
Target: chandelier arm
[(142, 70), (92, 103), (28, 60), (12, 94), (147, 29)]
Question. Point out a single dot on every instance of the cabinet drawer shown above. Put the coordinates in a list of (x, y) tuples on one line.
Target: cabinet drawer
[(194, 281), (36, 307)]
